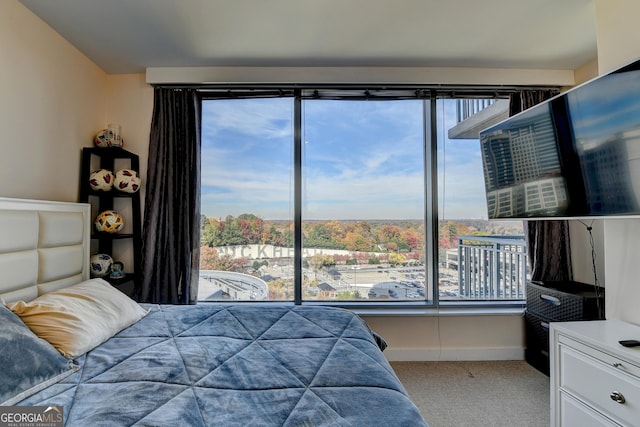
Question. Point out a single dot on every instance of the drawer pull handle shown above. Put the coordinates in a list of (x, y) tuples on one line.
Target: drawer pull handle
[(550, 300), (544, 325), (616, 396)]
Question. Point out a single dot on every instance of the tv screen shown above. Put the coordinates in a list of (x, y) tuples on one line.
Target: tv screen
[(576, 155)]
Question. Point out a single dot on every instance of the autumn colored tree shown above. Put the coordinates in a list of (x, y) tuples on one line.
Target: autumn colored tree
[(278, 290), (362, 258), (207, 237), (396, 258), (210, 231), (337, 230), (210, 259), (412, 238), (251, 227), (389, 233), (319, 261), (341, 258), (319, 236), (391, 246), (362, 228), (356, 242), (273, 236)]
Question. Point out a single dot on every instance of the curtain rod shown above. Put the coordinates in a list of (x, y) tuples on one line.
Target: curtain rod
[(215, 87), (354, 92)]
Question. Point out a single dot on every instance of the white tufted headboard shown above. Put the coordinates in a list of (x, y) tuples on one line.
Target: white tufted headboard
[(44, 246)]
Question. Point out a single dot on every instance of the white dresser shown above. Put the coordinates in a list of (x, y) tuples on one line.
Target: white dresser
[(595, 381)]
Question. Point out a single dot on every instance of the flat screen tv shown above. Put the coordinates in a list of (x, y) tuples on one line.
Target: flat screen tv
[(576, 155)]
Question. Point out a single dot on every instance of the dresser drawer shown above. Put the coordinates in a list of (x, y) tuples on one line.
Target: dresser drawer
[(608, 389), (574, 413), (537, 335), (537, 330)]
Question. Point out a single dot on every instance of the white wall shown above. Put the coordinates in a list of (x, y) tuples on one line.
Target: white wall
[(130, 104), (618, 38), (581, 251), (617, 32), (52, 104), (444, 337)]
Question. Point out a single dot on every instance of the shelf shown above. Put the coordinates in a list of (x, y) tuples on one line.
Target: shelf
[(122, 281), (111, 152), (107, 158), (113, 236), (112, 193)]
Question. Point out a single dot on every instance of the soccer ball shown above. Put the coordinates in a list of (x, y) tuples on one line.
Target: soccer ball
[(100, 265), (104, 139), (109, 222), (102, 179), (127, 180)]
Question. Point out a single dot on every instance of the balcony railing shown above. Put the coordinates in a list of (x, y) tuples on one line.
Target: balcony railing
[(492, 267), (467, 107), (474, 115)]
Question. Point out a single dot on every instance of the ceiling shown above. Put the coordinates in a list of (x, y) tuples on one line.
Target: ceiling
[(127, 36)]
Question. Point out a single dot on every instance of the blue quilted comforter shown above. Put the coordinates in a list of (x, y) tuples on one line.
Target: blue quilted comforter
[(235, 365)]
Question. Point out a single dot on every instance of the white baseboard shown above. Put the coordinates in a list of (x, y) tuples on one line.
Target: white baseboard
[(452, 354)]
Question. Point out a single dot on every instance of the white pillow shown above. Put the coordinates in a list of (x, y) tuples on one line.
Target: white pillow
[(78, 318)]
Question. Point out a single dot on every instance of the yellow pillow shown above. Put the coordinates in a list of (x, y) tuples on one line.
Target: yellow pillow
[(78, 318)]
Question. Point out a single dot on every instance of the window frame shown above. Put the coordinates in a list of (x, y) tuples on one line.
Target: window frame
[(430, 95)]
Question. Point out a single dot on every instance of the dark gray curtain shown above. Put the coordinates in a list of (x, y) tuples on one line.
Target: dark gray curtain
[(520, 101), (548, 244), (171, 230)]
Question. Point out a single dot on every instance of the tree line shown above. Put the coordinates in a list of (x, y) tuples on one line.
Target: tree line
[(361, 236), (393, 241)]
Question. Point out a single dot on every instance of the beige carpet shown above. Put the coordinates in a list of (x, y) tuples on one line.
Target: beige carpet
[(477, 394)]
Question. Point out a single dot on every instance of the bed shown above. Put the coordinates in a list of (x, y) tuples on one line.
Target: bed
[(79, 345)]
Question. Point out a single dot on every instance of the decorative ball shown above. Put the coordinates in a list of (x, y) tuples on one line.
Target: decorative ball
[(100, 265), (127, 180), (104, 139), (101, 180), (109, 222)]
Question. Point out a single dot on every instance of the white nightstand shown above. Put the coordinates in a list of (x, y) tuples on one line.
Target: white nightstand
[(595, 381)]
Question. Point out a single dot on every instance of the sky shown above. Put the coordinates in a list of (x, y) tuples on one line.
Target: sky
[(606, 106), (361, 160)]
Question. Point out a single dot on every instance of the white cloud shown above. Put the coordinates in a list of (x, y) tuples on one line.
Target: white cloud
[(354, 168), (261, 120)]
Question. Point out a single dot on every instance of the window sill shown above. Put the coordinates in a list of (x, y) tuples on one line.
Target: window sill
[(441, 312), (476, 308)]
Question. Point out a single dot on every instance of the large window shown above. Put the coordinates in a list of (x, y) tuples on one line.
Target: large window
[(477, 259), (363, 194), (335, 196), (247, 200)]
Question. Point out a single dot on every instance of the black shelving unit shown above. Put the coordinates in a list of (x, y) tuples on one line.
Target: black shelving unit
[(112, 158)]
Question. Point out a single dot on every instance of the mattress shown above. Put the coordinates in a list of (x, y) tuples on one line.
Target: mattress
[(235, 365)]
